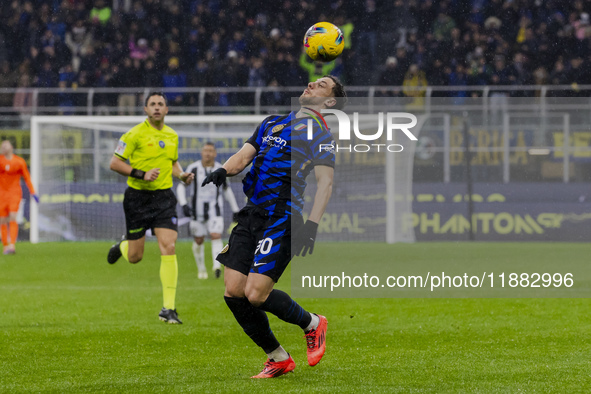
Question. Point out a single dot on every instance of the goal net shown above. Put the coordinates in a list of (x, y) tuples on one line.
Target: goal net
[(81, 198)]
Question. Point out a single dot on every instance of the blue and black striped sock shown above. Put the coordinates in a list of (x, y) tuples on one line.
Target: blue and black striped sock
[(254, 322), (284, 307)]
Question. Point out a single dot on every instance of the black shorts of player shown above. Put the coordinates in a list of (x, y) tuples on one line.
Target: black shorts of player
[(149, 209), (260, 243)]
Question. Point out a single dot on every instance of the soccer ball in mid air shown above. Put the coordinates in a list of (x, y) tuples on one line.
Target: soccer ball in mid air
[(324, 42)]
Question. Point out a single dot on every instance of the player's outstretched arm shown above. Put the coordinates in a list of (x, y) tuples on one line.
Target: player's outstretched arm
[(235, 164), (121, 167), (240, 160)]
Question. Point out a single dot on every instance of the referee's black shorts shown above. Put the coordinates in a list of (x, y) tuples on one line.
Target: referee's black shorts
[(149, 209)]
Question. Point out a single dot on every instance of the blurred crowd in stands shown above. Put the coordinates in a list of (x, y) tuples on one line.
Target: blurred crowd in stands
[(231, 43)]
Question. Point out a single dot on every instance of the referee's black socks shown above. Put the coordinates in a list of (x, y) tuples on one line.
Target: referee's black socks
[(254, 322), (284, 307)]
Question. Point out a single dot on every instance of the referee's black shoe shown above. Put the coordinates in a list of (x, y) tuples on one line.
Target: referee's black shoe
[(114, 253), (169, 316)]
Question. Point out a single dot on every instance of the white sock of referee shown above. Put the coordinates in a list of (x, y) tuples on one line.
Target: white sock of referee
[(199, 258), (216, 247)]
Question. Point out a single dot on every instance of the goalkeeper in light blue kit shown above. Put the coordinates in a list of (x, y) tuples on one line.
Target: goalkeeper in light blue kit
[(261, 245)]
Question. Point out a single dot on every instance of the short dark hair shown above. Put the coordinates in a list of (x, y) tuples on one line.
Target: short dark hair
[(209, 143), (156, 94), (338, 90)]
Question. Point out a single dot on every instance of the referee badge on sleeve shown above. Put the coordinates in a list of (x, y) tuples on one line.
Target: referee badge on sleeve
[(225, 248), (120, 148)]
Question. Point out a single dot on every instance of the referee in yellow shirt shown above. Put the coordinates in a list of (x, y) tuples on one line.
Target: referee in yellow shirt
[(152, 150)]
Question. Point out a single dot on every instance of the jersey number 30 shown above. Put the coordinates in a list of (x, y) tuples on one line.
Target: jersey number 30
[(264, 246)]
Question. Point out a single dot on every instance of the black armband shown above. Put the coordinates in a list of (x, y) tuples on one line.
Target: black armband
[(137, 174)]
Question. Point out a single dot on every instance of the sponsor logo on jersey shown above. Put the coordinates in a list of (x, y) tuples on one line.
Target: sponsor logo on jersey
[(277, 128), (275, 141), (137, 230), (161, 143)]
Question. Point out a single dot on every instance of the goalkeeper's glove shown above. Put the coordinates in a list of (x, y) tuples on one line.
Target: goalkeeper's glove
[(235, 217), (303, 241), (187, 211), (36, 198), (217, 177)]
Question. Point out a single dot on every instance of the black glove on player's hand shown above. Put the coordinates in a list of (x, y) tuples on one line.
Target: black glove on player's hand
[(217, 177), (303, 241), (187, 211)]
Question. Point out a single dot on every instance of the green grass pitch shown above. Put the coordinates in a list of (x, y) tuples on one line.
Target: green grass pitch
[(72, 323)]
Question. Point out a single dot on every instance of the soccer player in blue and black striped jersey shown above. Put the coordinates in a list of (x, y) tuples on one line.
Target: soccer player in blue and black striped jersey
[(270, 227)]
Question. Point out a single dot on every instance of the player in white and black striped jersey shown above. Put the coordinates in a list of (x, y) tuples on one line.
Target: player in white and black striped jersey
[(206, 209)]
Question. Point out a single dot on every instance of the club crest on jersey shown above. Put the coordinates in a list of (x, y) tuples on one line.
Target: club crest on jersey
[(161, 143), (277, 128)]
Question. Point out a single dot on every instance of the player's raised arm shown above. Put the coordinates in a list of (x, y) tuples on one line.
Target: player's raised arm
[(234, 166)]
